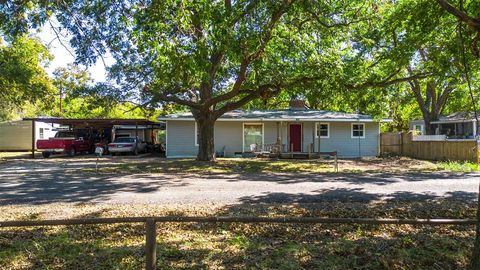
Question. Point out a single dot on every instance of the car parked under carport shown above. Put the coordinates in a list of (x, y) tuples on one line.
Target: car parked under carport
[(127, 145)]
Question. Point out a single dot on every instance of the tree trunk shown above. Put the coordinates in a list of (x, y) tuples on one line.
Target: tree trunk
[(428, 126), (205, 130), (428, 118)]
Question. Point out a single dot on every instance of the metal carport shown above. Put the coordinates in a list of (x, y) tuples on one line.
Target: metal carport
[(94, 123)]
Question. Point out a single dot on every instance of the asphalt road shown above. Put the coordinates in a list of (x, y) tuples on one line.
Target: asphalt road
[(58, 181)]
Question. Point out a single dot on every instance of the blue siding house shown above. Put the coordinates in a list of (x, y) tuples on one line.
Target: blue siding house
[(296, 129)]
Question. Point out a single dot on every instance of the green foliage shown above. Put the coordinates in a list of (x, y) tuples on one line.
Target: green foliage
[(339, 55), (23, 79), (456, 166), (80, 101)]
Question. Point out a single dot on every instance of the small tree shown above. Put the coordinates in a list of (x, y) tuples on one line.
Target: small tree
[(23, 78)]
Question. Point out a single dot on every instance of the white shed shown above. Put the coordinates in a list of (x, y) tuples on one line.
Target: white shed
[(17, 135)]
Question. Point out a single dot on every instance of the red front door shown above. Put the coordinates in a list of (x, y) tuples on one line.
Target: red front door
[(295, 144)]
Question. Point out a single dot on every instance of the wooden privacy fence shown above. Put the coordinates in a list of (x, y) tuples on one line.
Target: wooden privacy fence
[(151, 225), (403, 144)]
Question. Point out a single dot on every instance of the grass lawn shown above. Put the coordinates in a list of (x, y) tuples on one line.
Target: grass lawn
[(252, 166), (240, 246)]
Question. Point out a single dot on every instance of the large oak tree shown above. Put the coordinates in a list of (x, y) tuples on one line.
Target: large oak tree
[(210, 56)]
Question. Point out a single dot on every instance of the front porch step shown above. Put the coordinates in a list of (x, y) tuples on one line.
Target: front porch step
[(298, 155)]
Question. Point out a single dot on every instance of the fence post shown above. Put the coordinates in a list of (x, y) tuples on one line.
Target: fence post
[(336, 162), (151, 244)]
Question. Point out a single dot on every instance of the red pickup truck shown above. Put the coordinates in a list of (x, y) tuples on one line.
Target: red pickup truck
[(65, 142)]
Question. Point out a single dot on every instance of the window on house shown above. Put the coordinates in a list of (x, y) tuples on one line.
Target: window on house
[(323, 129), (252, 135), (418, 129), (358, 130), (196, 134), (41, 133)]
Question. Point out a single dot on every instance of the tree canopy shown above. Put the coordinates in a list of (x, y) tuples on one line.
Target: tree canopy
[(389, 59), (22, 75)]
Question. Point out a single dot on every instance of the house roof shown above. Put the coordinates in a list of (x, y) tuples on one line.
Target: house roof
[(282, 115), (456, 117), (95, 122)]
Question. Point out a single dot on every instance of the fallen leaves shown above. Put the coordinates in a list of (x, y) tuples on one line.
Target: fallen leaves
[(239, 246)]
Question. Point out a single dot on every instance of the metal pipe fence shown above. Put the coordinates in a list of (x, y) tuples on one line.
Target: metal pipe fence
[(151, 224)]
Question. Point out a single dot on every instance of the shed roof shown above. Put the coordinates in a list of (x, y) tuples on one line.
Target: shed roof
[(281, 115), (95, 122)]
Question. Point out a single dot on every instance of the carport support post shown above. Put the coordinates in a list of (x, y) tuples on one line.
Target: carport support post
[(136, 130), (151, 244), (152, 138), (33, 138)]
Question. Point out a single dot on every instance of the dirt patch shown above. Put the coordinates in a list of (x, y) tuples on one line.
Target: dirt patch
[(389, 164)]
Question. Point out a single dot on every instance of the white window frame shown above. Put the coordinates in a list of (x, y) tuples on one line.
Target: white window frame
[(358, 137), (243, 133), (196, 133), (317, 130), (41, 132), (421, 128)]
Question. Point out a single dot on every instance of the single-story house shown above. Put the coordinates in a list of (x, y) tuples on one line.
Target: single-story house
[(296, 129), (459, 125), (17, 135)]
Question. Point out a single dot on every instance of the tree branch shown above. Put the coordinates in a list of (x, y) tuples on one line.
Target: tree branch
[(173, 98), (242, 73), (267, 89), (388, 82), (60, 40), (472, 22)]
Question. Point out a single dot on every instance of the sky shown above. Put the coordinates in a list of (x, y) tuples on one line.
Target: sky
[(62, 56)]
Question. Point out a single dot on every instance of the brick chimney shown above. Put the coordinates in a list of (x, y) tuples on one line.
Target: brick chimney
[(297, 104)]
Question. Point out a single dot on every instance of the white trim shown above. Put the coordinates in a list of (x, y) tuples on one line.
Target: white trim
[(358, 137), (317, 125), (196, 134), (282, 119), (243, 133), (421, 128), (166, 139), (452, 121), (379, 141)]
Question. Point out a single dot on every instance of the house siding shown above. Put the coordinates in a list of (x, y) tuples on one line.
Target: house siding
[(180, 139), (341, 140), (229, 137)]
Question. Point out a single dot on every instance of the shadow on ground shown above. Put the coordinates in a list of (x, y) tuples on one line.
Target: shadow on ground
[(255, 246), (50, 181)]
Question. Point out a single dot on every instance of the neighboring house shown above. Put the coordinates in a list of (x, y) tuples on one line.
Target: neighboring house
[(296, 130), (459, 125), (17, 135)]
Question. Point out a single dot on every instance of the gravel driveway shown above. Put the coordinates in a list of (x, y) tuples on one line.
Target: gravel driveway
[(44, 181)]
